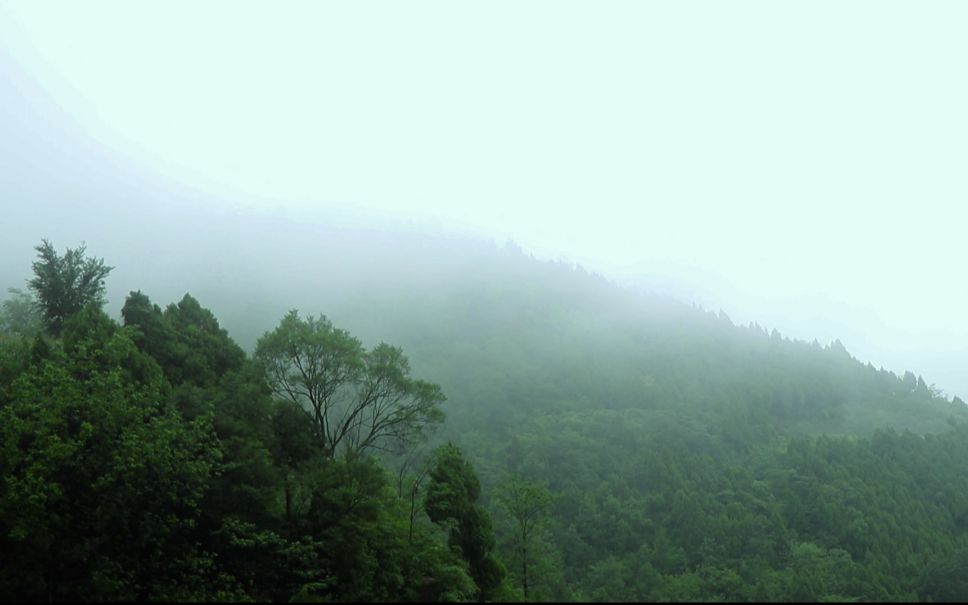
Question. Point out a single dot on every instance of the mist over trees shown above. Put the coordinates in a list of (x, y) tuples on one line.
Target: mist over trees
[(466, 302), (598, 444)]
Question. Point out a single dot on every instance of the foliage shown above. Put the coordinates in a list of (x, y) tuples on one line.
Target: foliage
[(627, 449), (527, 503), (358, 400), (65, 284), (102, 480), (451, 501), (151, 461)]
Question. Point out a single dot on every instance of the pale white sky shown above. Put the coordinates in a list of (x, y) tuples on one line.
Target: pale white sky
[(801, 164)]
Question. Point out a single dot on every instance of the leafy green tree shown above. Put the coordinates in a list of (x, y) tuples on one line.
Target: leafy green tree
[(103, 481), (451, 501), (819, 573), (357, 400), (155, 335), (528, 505), (944, 580), (293, 448), (211, 377), (412, 474), (249, 480), (186, 340), (264, 565), (208, 353), (359, 527), (66, 284)]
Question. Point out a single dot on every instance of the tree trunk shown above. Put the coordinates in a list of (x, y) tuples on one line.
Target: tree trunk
[(524, 572), (288, 502)]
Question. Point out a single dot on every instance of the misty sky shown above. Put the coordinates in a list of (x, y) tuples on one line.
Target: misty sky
[(803, 165)]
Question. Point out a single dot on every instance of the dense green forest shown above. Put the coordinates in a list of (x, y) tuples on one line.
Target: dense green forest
[(532, 433)]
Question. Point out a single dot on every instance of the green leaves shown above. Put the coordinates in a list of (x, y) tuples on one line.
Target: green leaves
[(102, 481), (66, 284), (150, 461), (528, 505), (451, 502), (453, 485), (186, 340), (358, 400)]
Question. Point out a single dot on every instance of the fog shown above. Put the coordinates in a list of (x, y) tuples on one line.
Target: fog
[(800, 166)]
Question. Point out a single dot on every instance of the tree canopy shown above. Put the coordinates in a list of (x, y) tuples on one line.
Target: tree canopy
[(451, 501), (150, 461), (65, 284), (358, 400), (591, 454)]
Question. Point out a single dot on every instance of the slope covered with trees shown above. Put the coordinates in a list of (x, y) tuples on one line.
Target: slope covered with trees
[(689, 458), (149, 460), (599, 444)]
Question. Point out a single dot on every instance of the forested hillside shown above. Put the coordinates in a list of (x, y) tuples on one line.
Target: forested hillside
[(531, 432)]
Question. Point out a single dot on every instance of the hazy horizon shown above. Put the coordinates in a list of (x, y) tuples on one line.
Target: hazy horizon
[(796, 166)]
